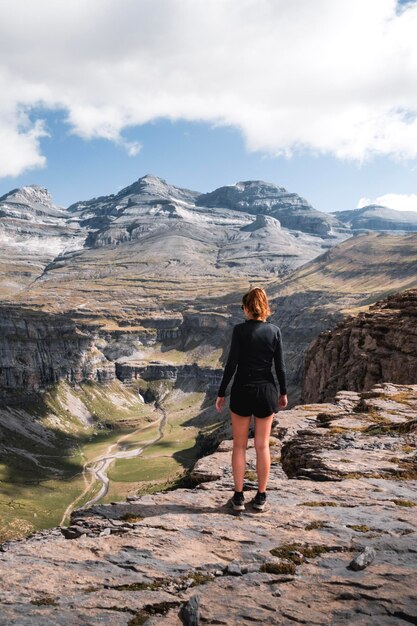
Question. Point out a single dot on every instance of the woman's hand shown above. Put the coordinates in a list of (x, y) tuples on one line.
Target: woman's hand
[(220, 403), (283, 401)]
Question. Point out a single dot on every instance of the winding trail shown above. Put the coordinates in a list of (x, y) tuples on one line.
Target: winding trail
[(97, 468)]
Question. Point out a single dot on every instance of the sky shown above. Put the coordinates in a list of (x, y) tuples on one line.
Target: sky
[(318, 97)]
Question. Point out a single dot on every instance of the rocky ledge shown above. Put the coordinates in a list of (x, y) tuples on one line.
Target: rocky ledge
[(337, 544)]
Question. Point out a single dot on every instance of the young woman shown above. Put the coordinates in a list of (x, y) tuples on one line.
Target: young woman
[(255, 345)]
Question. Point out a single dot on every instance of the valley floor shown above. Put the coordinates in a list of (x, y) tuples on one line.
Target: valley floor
[(115, 446)]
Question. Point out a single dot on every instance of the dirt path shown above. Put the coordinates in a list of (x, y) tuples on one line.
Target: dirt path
[(97, 468)]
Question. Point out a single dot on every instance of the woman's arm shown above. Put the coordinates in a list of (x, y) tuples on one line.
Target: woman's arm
[(231, 364), (280, 365)]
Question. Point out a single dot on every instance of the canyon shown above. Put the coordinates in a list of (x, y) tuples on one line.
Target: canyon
[(122, 306)]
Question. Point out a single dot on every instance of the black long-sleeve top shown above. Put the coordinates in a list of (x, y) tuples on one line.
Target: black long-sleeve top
[(255, 345)]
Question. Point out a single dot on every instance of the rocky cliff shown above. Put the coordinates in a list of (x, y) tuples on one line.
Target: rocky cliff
[(343, 281), (336, 545), (39, 349), (373, 346)]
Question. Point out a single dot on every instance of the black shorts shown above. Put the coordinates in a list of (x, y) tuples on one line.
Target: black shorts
[(259, 399)]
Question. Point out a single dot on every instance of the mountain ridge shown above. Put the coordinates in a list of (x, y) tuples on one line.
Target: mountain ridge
[(378, 217)]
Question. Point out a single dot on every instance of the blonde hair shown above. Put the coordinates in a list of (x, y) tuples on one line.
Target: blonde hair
[(256, 301)]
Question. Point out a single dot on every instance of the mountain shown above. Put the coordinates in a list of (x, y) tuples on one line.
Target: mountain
[(153, 273), (364, 349), (33, 231), (153, 241), (375, 217), (259, 197)]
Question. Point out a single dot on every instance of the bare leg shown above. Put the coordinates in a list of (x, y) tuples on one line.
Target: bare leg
[(263, 457), (240, 429)]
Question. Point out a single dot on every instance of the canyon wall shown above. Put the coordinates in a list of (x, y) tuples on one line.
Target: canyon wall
[(38, 349)]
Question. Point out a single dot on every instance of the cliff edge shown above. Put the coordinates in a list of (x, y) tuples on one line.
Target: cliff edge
[(336, 545)]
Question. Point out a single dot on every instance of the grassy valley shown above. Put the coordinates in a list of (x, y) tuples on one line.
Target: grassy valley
[(46, 446)]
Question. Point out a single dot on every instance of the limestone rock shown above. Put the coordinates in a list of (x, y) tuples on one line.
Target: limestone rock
[(257, 196), (376, 217), (362, 560), (374, 437), (366, 349)]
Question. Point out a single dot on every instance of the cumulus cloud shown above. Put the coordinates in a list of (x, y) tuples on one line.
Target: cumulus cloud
[(20, 148), (328, 76), (397, 201)]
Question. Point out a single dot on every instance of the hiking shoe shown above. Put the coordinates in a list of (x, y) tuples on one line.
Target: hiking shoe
[(238, 501), (259, 501)]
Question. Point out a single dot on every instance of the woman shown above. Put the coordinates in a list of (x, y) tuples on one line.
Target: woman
[(255, 345)]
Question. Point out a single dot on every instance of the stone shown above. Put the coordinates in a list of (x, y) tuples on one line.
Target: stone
[(233, 569), (73, 532), (362, 560), (190, 612)]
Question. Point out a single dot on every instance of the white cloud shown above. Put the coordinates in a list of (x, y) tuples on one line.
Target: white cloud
[(330, 76), (19, 147), (397, 201)]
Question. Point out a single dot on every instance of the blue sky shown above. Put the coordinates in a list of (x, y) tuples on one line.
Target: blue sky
[(202, 157), (318, 97)]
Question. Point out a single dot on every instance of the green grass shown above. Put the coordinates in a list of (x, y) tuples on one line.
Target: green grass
[(278, 568), (292, 551), (316, 525), (165, 461), (360, 528)]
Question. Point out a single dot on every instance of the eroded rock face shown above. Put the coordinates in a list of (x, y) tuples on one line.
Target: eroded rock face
[(37, 350), (377, 345), (183, 557)]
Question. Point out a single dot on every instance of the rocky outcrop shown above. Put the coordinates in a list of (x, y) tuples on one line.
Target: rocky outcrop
[(324, 552), (194, 374), (376, 345), (367, 434)]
